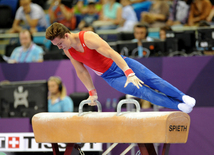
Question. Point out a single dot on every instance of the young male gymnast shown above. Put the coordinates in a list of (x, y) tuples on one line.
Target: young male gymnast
[(122, 73)]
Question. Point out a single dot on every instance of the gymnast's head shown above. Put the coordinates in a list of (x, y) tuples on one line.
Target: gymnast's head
[(59, 35)]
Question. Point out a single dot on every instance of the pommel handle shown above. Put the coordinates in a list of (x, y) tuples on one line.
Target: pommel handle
[(128, 101), (86, 102)]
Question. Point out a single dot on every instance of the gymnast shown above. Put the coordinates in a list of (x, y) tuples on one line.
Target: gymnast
[(122, 73)]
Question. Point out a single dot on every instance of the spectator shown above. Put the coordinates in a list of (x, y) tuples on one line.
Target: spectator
[(90, 16), (199, 10), (110, 16), (60, 13), (140, 6), (33, 16), (179, 12), (58, 101), (157, 15), (162, 32), (28, 51), (81, 6), (141, 34), (137, 1), (87, 27), (211, 15), (129, 16)]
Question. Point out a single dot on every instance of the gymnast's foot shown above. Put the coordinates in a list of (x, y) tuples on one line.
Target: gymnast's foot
[(189, 100), (184, 107)]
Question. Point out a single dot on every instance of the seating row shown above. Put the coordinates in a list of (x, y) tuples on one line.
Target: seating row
[(186, 41)]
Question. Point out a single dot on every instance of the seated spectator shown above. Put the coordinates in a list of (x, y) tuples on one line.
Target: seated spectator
[(58, 101), (87, 27), (60, 13), (140, 6), (199, 10), (137, 1), (81, 6), (32, 15), (157, 15), (179, 12), (211, 15), (141, 34), (162, 32), (90, 16), (129, 16), (28, 51), (110, 16)]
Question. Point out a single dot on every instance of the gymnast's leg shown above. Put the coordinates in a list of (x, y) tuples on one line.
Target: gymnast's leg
[(155, 82), (143, 93), (116, 78), (148, 94)]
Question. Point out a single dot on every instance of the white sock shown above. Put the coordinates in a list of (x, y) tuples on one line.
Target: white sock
[(189, 100), (184, 107)]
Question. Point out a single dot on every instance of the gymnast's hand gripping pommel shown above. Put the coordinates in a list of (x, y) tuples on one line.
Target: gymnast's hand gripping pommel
[(92, 97)]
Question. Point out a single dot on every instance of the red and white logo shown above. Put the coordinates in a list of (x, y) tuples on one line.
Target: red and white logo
[(13, 142)]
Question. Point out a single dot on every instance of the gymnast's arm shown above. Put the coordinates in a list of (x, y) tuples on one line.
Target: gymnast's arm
[(84, 76), (103, 48)]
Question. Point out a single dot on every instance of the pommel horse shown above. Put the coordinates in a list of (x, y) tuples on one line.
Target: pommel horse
[(142, 128)]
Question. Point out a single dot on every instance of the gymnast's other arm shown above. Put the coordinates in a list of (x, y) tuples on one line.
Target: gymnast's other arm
[(85, 77), (103, 48)]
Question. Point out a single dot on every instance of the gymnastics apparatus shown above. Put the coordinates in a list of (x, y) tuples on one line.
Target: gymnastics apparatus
[(142, 128)]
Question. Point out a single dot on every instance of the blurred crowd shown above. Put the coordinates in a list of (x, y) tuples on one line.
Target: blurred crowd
[(119, 15)]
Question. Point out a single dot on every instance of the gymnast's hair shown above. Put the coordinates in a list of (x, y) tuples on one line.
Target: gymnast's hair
[(56, 30), (61, 87)]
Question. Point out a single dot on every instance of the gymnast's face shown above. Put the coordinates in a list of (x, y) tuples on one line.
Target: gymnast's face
[(53, 87), (62, 43)]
